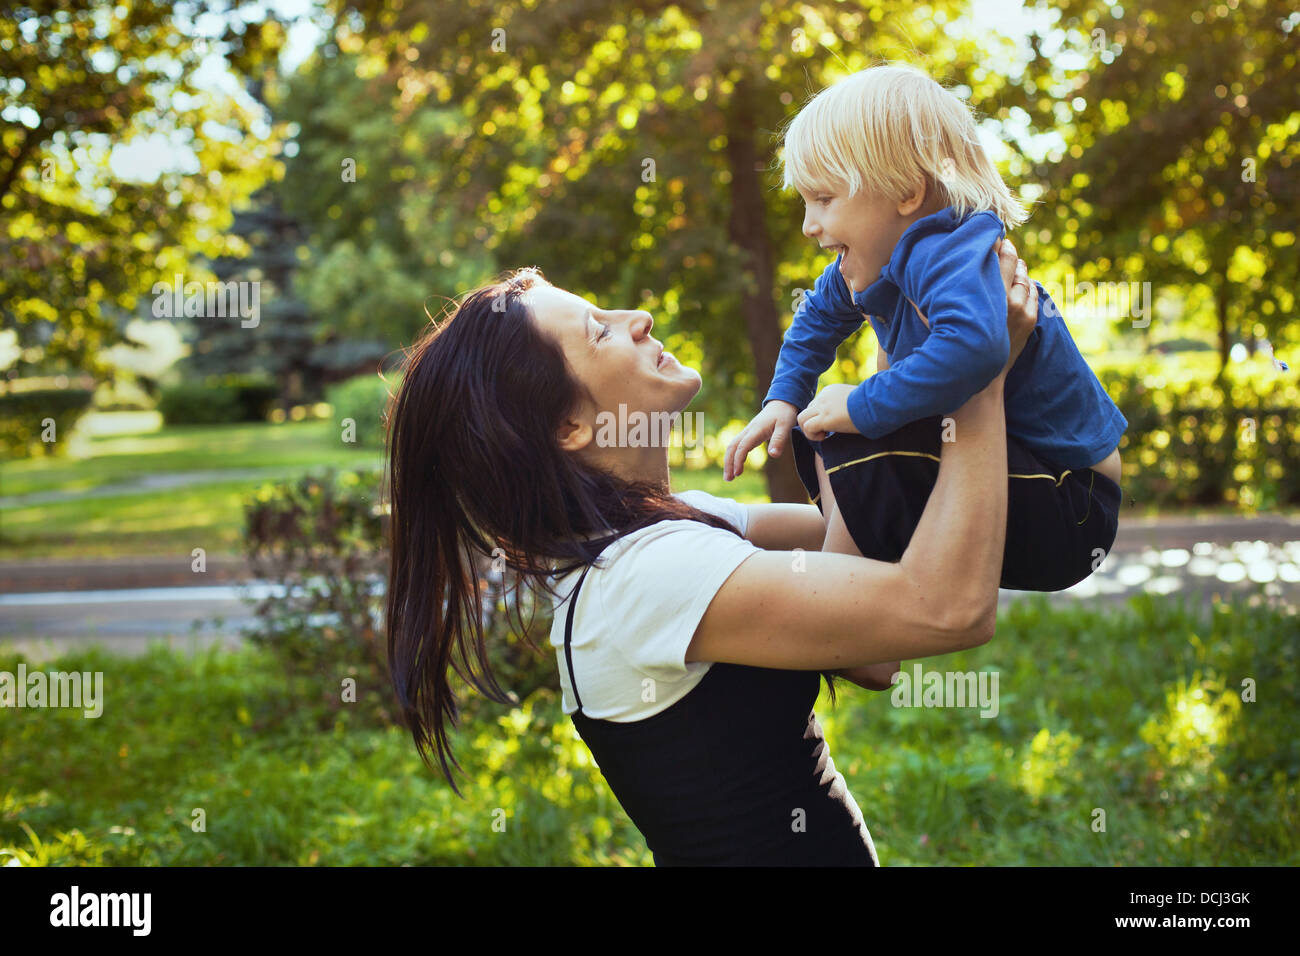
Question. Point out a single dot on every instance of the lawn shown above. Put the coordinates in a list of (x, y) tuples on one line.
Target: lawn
[(227, 463), (115, 448), (111, 451), (1136, 712)]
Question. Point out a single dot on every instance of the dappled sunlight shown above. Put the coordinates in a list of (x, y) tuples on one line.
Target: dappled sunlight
[(1187, 738), (1273, 565), (100, 425), (1048, 763)]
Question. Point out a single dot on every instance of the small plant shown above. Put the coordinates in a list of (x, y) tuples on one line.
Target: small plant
[(319, 542)]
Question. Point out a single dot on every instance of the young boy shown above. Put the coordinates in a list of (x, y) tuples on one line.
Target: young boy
[(894, 180)]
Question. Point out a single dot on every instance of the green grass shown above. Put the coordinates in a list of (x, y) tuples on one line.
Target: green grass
[(121, 447), (111, 458), (1135, 711), (208, 516)]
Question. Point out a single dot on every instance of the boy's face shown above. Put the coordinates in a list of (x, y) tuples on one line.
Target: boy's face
[(863, 229)]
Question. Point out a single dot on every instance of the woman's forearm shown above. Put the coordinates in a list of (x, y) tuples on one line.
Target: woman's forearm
[(954, 559)]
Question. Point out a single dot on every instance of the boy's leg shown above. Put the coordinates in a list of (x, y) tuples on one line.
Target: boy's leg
[(837, 538), (1060, 523), (881, 485), (871, 676)]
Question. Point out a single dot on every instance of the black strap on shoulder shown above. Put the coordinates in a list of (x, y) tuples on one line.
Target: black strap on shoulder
[(568, 637)]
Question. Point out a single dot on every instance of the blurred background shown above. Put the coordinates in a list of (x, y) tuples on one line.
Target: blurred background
[(222, 223)]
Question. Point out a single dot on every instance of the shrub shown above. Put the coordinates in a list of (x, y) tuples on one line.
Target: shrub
[(23, 416), (319, 539), (196, 403), (322, 541), (363, 400), (214, 401), (1196, 440), (254, 395)]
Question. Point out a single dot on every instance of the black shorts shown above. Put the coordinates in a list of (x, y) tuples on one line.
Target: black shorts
[(1061, 522)]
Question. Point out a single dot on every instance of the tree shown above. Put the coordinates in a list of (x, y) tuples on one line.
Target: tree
[(380, 241), (1182, 152), (82, 241), (629, 148)]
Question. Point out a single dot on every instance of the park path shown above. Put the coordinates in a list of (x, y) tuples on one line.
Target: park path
[(141, 484)]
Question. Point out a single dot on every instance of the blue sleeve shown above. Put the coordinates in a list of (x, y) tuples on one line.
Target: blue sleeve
[(827, 318), (954, 278)]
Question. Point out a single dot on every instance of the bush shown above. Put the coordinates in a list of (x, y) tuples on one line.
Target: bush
[(195, 403), (1196, 440), (364, 401), (215, 401), (323, 541), (23, 416), (320, 540)]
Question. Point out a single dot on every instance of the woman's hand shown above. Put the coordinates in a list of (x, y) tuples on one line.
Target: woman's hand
[(871, 676), (1022, 300)]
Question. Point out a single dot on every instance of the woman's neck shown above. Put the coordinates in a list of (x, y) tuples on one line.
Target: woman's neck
[(648, 464)]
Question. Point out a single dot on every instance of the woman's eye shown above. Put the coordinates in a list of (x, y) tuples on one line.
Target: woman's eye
[(605, 333)]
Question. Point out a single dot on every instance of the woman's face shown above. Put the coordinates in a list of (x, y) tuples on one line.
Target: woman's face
[(613, 354)]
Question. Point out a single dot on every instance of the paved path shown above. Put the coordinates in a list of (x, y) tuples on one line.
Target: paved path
[(144, 483)]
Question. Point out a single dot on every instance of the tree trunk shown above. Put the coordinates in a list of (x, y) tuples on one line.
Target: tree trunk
[(1221, 313), (747, 228)]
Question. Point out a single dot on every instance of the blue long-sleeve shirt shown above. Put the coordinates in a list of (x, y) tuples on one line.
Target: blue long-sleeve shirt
[(1054, 403)]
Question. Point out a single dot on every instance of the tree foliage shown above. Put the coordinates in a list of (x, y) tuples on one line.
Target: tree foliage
[(1182, 153), (82, 238)]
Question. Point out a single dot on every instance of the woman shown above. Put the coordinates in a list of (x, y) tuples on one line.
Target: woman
[(690, 662)]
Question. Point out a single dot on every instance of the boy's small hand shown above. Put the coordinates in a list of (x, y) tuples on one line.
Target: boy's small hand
[(828, 412), (771, 425)]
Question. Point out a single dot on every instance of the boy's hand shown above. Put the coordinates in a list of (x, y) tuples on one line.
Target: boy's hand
[(773, 422), (828, 412)]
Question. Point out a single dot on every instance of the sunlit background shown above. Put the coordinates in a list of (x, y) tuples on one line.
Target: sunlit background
[(361, 164)]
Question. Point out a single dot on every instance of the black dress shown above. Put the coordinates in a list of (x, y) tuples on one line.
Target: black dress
[(736, 773)]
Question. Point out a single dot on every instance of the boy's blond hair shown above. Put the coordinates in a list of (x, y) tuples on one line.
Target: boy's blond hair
[(887, 127)]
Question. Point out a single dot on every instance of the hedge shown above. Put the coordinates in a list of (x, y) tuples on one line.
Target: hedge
[(364, 401), (1195, 440), (233, 398), (23, 416)]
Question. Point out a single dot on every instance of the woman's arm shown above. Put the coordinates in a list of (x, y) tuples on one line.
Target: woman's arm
[(852, 611)]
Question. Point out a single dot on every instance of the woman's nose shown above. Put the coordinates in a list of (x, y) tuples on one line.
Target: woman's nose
[(644, 323)]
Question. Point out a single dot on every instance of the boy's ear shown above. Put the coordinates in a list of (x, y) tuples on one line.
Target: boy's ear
[(914, 201)]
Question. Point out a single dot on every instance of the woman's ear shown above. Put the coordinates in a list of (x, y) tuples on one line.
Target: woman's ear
[(573, 435)]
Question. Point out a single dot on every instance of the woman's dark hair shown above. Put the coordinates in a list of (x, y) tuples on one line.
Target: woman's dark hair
[(474, 466)]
